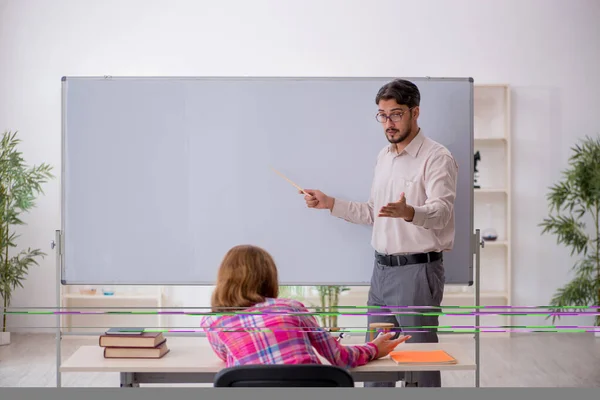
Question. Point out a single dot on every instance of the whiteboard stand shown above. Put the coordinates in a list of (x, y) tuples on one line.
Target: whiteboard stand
[(94, 107), (57, 243), (478, 245)]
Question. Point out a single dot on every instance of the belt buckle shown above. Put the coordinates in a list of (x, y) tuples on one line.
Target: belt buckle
[(402, 260), (383, 259), (387, 259)]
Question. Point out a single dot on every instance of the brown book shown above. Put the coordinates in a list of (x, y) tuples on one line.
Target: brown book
[(140, 352), (146, 339)]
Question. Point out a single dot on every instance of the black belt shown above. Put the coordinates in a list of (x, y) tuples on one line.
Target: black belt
[(406, 259)]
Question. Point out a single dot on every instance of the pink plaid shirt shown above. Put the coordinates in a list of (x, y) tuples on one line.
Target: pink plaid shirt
[(276, 332)]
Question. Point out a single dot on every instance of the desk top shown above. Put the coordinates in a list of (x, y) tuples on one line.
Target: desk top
[(195, 355)]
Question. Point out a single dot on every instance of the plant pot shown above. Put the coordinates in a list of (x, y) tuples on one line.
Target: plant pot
[(4, 338)]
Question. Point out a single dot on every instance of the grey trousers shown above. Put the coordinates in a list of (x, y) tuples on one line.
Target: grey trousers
[(409, 285)]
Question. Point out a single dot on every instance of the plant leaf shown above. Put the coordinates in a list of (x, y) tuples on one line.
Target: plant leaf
[(570, 201), (20, 185)]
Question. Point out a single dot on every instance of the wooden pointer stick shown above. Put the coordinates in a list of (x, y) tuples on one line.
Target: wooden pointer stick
[(292, 183)]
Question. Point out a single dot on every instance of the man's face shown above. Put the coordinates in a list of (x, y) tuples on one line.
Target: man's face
[(396, 131)]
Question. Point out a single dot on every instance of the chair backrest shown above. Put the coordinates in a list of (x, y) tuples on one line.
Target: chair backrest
[(288, 375)]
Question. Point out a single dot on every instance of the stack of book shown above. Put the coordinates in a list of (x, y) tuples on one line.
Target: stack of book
[(133, 343)]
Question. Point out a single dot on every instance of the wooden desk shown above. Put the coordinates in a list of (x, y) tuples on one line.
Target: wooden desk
[(191, 360)]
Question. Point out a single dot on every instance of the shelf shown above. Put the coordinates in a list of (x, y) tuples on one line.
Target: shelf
[(359, 299), (492, 131), (112, 297), (490, 139), (471, 295), (490, 190), (497, 243), (80, 322)]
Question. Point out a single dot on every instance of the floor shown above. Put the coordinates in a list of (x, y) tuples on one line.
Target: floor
[(528, 360)]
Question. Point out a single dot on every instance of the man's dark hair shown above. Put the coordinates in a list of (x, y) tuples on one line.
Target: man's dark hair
[(403, 91)]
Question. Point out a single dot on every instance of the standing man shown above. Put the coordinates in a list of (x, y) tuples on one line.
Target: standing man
[(411, 208)]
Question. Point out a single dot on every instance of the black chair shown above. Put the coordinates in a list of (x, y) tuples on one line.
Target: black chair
[(288, 375)]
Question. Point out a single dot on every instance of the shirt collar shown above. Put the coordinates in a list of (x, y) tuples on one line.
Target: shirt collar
[(413, 147)]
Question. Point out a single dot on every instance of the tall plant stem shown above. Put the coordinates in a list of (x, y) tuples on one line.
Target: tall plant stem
[(597, 245), (5, 266), (323, 307), (330, 300), (336, 299), (5, 298)]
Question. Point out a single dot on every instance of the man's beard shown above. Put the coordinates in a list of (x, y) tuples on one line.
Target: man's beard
[(397, 139)]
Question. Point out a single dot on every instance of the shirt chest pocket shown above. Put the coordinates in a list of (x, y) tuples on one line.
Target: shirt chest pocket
[(408, 185)]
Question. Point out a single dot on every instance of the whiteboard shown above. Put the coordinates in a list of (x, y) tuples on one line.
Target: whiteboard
[(162, 175)]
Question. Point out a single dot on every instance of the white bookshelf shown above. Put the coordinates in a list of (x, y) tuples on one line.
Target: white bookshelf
[(493, 141), (492, 207)]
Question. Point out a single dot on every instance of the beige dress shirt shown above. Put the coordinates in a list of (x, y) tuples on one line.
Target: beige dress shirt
[(426, 172)]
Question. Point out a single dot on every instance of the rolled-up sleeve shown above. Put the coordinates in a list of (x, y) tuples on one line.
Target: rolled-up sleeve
[(353, 211), (440, 187)]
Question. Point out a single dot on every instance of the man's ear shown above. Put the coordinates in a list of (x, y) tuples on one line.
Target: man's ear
[(415, 112)]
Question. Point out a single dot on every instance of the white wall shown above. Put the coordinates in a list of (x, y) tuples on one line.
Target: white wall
[(546, 49)]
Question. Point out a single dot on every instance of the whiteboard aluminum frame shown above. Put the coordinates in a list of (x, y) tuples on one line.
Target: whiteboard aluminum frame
[(65, 79)]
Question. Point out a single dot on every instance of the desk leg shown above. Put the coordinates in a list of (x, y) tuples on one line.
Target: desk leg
[(128, 380), (410, 379)]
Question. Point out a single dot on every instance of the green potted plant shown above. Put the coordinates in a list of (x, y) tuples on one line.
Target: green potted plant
[(292, 292), (329, 300), (19, 187), (573, 200)]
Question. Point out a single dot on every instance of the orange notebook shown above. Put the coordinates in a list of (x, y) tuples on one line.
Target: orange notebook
[(422, 357)]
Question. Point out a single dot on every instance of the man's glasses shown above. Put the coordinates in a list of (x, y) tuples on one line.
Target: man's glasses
[(395, 116)]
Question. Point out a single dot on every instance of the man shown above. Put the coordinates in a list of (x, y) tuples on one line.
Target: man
[(411, 208)]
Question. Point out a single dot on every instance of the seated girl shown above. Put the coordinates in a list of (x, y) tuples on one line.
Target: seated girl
[(259, 328)]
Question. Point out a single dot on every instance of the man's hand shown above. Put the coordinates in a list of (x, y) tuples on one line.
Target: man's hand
[(318, 199), (398, 210)]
